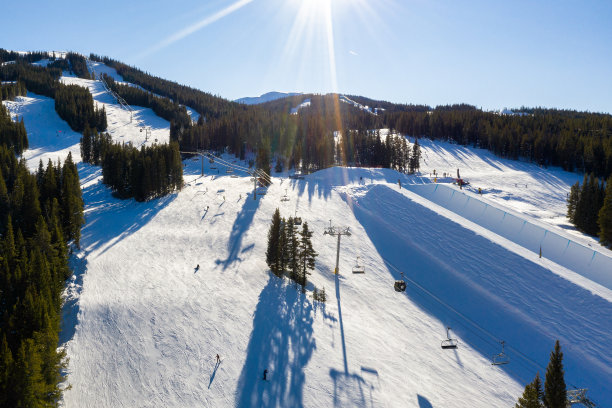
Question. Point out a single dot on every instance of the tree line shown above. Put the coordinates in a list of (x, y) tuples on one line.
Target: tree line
[(268, 130), (206, 104), (9, 90), (39, 214), (143, 174), (13, 135), (73, 103), (78, 65), (575, 141), (589, 207), (289, 251)]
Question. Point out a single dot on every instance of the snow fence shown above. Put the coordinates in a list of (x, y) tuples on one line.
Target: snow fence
[(562, 250)]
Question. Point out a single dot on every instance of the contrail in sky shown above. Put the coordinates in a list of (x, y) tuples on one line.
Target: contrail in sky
[(195, 27)]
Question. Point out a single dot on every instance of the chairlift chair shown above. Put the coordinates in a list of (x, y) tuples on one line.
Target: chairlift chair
[(449, 343), (501, 358), (358, 268), (400, 285), (297, 220), (285, 197)]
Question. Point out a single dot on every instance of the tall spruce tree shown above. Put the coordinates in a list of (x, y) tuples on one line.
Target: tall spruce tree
[(307, 255), (282, 243), (532, 396), (604, 217), (572, 202), (86, 144), (292, 249), (274, 251), (555, 392)]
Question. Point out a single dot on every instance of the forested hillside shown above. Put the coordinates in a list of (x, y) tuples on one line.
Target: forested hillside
[(74, 104), (39, 214)]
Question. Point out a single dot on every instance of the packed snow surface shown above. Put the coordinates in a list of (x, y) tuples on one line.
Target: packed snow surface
[(142, 322)]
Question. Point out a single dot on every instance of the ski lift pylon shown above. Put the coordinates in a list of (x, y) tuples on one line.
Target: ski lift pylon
[(358, 268), (449, 343), (501, 358)]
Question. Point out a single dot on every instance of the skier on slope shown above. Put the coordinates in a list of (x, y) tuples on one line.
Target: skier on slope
[(218, 359)]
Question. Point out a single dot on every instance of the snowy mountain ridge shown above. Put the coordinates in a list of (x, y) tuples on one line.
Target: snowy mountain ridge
[(267, 97)]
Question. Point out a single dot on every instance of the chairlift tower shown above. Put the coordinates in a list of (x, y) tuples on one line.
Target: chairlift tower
[(339, 231), (578, 396), (147, 130)]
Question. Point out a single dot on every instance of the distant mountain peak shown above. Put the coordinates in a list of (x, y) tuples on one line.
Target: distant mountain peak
[(267, 97)]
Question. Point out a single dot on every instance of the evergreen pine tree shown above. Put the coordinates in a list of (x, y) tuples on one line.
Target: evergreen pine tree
[(282, 244), (6, 367), (274, 250), (292, 248), (86, 145), (532, 395), (306, 254), (604, 217), (555, 392), (572, 202)]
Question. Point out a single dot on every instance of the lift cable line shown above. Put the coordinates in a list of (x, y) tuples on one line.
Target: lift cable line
[(257, 174), (576, 393), (124, 105), (339, 231)]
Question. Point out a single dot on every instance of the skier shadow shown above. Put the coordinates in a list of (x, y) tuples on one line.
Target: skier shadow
[(423, 402), (241, 225), (212, 376), (282, 342)]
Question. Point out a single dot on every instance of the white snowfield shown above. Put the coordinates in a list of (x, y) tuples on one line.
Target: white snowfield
[(142, 323)]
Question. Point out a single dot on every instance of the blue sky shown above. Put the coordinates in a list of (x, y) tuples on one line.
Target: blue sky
[(489, 53)]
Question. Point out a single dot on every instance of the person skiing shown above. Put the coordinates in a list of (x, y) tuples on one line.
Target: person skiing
[(218, 359), (265, 373)]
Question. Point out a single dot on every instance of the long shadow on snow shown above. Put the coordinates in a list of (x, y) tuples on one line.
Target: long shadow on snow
[(241, 225), (499, 295), (108, 220), (70, 308), (322, 182), (282, 342)]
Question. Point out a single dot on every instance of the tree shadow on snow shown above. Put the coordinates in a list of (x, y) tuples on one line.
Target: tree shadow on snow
[(241, 225), (70, 308), (108, 220), (282, 342), (423, 402)]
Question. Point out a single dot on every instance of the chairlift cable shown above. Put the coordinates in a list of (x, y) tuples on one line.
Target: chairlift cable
[(474, 324)]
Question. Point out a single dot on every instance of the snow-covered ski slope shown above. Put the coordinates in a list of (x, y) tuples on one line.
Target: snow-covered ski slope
[(142, 325)]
